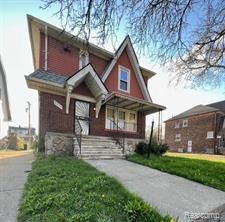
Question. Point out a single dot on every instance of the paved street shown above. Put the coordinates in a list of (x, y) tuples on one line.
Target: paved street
[(170, 194), (13, 175)]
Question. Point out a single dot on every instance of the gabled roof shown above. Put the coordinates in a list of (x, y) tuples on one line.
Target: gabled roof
[(126, 44), (4, 94), (91, 78), (197, 110), (37, 25), (218, 105)]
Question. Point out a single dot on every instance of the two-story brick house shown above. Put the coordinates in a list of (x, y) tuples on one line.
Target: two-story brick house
[(200, 129), (86, 90)]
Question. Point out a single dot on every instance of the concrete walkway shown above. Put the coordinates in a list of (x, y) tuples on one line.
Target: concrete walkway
[(13, 174), (170, 194)]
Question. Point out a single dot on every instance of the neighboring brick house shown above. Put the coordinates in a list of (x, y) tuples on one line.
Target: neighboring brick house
[(5, 114), (81, 85), (200, 129)]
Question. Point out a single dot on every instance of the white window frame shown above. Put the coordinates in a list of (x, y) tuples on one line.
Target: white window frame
[(116, 117), (178, 137), (210, 135), (82, 52), (177, 124), (128, 78), (185, 122)]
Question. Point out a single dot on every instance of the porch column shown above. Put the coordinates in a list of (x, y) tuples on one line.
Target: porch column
[(99, 105), (68, 94)]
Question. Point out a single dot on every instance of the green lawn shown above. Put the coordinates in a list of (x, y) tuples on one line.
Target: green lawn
[(203, 171), (65, 189)]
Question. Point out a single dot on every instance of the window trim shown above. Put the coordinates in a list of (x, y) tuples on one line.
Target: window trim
[(185, 120), (212, 133), (128, 78), (177, 125), (177, 139), (83, 52)]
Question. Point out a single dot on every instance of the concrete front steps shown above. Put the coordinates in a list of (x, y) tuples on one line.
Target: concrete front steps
[(95, 147)]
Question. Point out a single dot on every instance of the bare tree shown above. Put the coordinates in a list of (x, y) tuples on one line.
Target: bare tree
[(187, 34)]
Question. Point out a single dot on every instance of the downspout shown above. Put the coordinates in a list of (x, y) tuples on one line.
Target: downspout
[(46, 48), (215, 133)]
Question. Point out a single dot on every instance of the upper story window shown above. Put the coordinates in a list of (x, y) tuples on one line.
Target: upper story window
[(84, 58), (177, 124), (124, 79), (185, 123)]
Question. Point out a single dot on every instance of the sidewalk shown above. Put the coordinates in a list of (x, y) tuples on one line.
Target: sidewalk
[(170, 194), (14, 168)]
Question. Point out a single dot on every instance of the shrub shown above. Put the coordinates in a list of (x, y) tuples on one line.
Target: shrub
[(141, 148), (156, 148), (20, 143)]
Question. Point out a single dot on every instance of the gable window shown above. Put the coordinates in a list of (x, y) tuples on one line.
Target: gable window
[(210, 135), (84, 59), (185, 123), (178, 137), (124, 79), (177, 124)]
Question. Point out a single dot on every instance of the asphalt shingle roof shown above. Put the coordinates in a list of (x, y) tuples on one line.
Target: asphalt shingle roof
[(196, 110), (48, 77), (218, 105)]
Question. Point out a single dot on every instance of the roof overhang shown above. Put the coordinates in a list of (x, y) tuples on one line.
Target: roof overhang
[(126, 102)]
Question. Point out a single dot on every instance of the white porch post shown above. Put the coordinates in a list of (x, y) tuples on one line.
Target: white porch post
[(68, 94), (99, 105)]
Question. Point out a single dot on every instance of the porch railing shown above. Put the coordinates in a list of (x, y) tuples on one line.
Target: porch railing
[(118, 135), (78, 132)]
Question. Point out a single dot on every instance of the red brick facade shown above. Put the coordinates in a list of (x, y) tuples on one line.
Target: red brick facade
[(196, 131), (66, 62)]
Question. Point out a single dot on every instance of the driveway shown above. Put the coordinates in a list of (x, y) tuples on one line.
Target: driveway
[(14, 167), (168, 193)]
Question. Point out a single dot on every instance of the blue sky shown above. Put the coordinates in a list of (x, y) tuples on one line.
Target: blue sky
[(16, 55)]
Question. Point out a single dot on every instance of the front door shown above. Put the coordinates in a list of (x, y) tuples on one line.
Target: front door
[(82, 113)]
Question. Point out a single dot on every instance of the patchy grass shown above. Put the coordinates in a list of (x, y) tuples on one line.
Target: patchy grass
[(202, 171), (215, 158), (65, 189)]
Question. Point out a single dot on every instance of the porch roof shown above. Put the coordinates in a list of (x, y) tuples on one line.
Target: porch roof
[(127, 102)]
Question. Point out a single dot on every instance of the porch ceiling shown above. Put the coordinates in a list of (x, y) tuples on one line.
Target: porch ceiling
[(131, 103)]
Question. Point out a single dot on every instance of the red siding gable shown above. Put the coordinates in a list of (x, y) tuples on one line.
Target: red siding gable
[(112, 80)]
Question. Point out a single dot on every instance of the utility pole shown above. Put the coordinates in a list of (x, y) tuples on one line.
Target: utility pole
[(29, 129)]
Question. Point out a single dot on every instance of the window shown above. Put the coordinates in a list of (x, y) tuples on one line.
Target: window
[(210, 135), (185, 123), (177, 124), (83, 59), (132, 126), (124, 79), (121, 120), (127, 120), (178, 137), (109, 118)]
